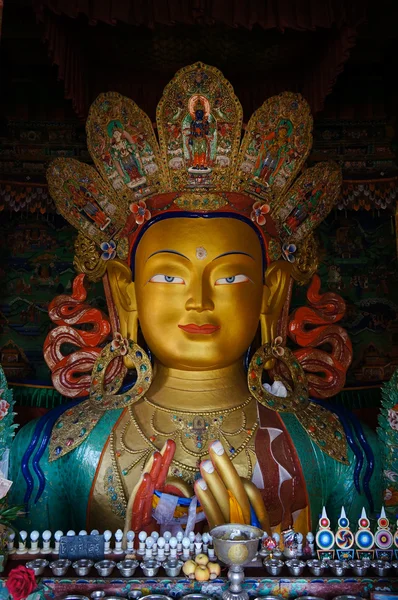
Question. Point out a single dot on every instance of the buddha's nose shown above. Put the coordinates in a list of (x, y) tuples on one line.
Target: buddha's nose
[(200, 297)]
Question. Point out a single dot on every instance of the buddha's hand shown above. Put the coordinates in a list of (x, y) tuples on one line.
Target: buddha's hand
[(226, 497), (154, 478)]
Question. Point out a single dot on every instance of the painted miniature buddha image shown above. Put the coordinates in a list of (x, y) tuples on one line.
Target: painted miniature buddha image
[(197, 285)]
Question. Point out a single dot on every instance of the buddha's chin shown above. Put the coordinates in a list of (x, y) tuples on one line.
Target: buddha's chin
[(196, 357)]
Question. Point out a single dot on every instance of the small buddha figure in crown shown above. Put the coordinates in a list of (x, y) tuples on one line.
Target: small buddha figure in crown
[(194, 390), (199, 134)]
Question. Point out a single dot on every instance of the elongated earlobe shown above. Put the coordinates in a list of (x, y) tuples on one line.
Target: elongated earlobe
[(275, 291), (123, 294)]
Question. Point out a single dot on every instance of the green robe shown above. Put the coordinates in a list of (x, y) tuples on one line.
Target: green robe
[(63, 504)]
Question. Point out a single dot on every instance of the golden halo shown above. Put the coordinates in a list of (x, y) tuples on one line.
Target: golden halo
[(193, 100)]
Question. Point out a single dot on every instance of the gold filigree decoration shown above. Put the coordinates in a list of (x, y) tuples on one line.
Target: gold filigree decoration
[(306, 260), (123, 248), (195, 201), (275, 146), (72, 428), (308, 202), (326, 430), (85, 200), (199, 148), (122, 143), (199, 427), (109, 399), (88, 259)]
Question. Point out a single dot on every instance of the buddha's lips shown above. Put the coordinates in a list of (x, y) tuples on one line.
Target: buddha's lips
[(202, 329)]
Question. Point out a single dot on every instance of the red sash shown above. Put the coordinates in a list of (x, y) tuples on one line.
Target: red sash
[(278, 460)]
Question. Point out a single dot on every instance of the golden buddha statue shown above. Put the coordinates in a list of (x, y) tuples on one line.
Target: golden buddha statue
[(197, 263)]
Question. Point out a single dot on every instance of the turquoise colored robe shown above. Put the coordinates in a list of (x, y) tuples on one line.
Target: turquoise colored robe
[(63, 503)]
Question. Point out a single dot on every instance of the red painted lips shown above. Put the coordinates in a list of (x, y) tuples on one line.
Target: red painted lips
[(199, 329)]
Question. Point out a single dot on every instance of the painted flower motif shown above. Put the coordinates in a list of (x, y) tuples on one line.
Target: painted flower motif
[(258, 212), (140, 212), (4, 406), (287, 252), (108, 250), (277, 349), (120, 343), (393, 419)]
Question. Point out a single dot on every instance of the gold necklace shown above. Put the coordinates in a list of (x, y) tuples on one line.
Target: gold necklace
[(198, 428)]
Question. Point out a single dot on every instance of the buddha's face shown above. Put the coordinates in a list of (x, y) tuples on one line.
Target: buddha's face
[(199, 289)]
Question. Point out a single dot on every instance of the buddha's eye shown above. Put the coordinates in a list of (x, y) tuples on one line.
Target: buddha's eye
[(234, 279), (166, 279)]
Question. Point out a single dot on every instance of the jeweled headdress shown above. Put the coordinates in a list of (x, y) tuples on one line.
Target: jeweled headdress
[(198, 164)]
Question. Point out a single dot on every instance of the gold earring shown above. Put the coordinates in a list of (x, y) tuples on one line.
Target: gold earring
[(323, 427), (297, 393), (108, 399)]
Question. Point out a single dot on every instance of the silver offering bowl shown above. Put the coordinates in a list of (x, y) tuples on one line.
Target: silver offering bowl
[(150, 567), (309, 598), (82, 566), (134, 594), (381, 567), (97, 595), (290, 553), (347, 597), (75, 597), (359, 567), (105, 567), (156, 597), (127, 567), (338, 567), (59, 567), (295, 566), (236, 545), (395, 565), (38, 565), (317, 567), (173, 567), (198, 597), (273, 566)]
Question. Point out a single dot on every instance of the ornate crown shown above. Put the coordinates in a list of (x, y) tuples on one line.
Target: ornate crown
[(198, 163)]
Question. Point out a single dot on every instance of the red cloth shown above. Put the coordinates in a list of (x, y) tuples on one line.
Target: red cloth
[(337, 21)]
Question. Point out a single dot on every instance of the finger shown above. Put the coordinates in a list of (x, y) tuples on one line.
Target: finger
[(147, 506), (216, 487), (230, 477), (208, 503), (139, 502), (257, 502), (167, 453), (156, 466)]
